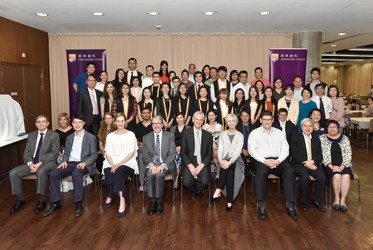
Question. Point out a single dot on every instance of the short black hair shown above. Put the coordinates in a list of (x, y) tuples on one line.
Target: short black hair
[(86, 78), (298, 76), (333, 86), (223, 68), (315, 69), (266, 113), (156, 73), (91, 63), (78, 117), (149, 66), (282, 110), (258, 68), (175, 78), (308, 90), (242, 72), (332, 122), (132, 59)]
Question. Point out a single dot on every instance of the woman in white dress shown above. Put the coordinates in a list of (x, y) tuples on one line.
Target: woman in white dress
[(120, 153)]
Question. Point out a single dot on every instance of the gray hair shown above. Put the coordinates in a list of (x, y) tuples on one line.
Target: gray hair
[(231, 115), (306, 120), (198, 113), (159, 118)]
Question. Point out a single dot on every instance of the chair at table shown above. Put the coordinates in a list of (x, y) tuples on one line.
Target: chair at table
[(166, 178), (368, 132)]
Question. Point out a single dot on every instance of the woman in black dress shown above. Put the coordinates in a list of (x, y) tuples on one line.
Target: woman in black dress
[(239, 102), (203, 103), (146, 101), (64, 130), (165, 106), (128, 106), (337, 156), (184, 103)]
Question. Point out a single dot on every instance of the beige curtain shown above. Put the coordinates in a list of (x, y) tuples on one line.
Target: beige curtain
[(358, 78), (235, 51)]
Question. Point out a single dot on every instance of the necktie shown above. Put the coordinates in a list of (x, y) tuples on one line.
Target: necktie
[(198, 147), (157, 156), (245, 136), (322, 110), (309, 151), (94, 103), (37, 153)]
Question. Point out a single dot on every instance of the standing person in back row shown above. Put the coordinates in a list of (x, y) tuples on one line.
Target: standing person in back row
[(323, 102), (259, 76), (315, 79), (132, 71), (80, 80), (269, 149), (220, 83)]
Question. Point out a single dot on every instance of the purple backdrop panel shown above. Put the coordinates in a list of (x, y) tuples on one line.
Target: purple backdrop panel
[(287, 63), (77, 63)]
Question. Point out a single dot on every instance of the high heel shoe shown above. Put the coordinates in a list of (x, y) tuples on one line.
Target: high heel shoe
[(214, 199), (228, 208), (120, 214)]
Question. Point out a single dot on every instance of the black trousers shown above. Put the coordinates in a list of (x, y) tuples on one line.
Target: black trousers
[(284, 170), (196, 185), (304, 182), (119, 177), (226, 179)]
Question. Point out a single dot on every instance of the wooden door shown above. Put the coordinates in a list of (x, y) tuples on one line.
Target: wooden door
[(12, 82)]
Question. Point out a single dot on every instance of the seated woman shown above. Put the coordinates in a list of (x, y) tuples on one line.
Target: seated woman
[(370, 106), (107, 126), (177, 130), (229, 153), (64, 130), (337, 154), (121, 152), (318, 122), (354, 105), (214, 128)]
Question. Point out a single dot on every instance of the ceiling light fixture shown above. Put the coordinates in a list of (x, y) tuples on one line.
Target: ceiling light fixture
[(264, 13), (97, 13), (333, 45), (41, 14), (209, 13), (153, 13), (342, 34)]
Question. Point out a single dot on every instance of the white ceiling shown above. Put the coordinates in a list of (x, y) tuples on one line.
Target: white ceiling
[(183, 16)]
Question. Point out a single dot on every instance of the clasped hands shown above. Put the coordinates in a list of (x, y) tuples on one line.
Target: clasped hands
[(225, 164), (156, 169), (195, 170), (272, 163), (34, 167), (310, 164), (335, 168)]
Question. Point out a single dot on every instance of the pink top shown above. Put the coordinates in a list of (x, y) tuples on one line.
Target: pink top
[(265, 82), (338, 111)]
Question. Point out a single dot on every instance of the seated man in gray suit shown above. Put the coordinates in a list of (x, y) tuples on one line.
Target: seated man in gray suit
[(40, 158), (158, 155), (78, 160), (196, 156)]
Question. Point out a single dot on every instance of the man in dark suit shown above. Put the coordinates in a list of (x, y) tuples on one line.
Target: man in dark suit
[(132, 71), (88, 105), (158, 155), (39, 158), (196, 156), (285, 126), (244, 126), (78, 160), (306, 158)]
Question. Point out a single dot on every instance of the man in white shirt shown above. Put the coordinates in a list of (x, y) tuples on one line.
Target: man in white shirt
[(148, 80), (192, 70), (241, 85), (269, 149), (297, 82), (324, 103), (132, 71)]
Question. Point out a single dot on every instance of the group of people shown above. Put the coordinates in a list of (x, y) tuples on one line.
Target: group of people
[(161, 124)]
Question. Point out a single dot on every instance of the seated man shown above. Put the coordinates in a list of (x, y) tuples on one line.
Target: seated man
[(78, 160), (269, 150), (196, 156), (306, 158), (287, 127), (40, 158), (141, 129), (158, 155)]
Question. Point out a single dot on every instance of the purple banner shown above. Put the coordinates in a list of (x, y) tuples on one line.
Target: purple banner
[(77, 63), (287, 63)]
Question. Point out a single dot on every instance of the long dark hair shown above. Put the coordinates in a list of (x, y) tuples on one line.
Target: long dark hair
[(160, 68)]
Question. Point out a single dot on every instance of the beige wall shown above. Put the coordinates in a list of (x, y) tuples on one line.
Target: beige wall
[(235, 51)]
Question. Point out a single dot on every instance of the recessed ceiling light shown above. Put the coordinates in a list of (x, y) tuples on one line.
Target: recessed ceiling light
[(342, 34), (153, 13), (209, 13), (264, 13), (97, 13), (333, 45), (41, 14)]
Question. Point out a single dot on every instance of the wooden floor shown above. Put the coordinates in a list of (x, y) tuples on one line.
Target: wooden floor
[(195, 224)]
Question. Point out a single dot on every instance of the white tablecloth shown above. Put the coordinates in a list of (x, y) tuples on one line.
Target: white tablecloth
[(363, 122)]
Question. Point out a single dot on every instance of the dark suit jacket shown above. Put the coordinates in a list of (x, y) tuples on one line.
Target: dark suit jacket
[(290, 129), (88, 152), (187, 147), (49, 149), (84, 105), (298, 151), (139, 75), (167, 150)]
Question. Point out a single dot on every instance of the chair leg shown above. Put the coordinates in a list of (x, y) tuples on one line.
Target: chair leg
[(100, 189), (131, 192), (358, 189), (252, 182), (209, 192), (143, 195), (181, 191), (86, 193), (244, 191), (173, 193)]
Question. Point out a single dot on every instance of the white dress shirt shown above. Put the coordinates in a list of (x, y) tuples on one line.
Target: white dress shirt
[(239, 85), (298, 94), (76, 149), (328, 105)]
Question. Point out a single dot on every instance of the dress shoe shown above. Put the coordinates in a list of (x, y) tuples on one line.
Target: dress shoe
[(107, 204), (40, 207), (293, 214), (79, 209), (262, 213), (120, 214), (194, 195), (343, 208), (336, 206), (228, 208), (152, 208), (159, 207), (304, 207), (17, 206), (319, 206), (214, 199), (53, 209)]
